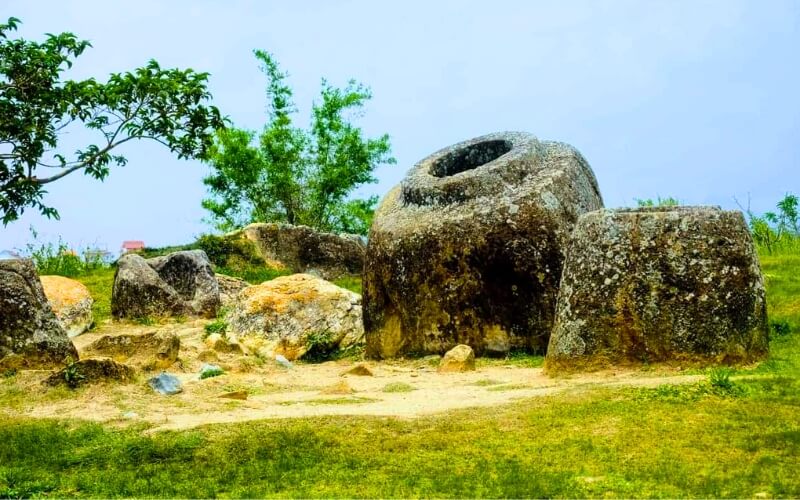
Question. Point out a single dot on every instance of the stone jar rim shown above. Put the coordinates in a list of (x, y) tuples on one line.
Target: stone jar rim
[(478, 167)]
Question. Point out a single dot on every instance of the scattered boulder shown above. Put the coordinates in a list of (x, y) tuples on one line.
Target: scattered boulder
[(229, 288), (91, 371), (460, 358), (294, 315), (166, 384), (175, 284), (149, 351), (360, 370), (659, 284), (469, 247), (305, 250), (71, 302), (31, 336)]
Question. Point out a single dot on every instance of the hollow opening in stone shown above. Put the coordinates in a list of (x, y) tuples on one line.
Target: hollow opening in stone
[(469, 157)]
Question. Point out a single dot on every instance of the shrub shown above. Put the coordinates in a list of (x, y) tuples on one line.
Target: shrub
[(398, 387), (780, 327), (217, 326), (59, 259)]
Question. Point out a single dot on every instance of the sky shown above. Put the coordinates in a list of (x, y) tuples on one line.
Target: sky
[(698, 100)]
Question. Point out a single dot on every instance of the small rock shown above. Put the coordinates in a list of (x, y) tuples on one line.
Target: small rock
[(460, 358), (340, 387), (281, 360), (209, 370), (359, 369), (241, 395), (90, 371), (207, 355), (130, 415), (166, 384), (221, 344)]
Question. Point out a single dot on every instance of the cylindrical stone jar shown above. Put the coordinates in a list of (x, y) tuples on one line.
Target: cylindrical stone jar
[(468, 249), (659, 284)]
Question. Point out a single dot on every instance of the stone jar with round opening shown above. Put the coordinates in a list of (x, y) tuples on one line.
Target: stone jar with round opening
[(468, 248)]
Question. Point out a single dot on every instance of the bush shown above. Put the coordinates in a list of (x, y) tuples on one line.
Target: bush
[(59, 259)]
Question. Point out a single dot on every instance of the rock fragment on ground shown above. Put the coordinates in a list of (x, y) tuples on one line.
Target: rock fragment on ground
[(166, 384), (149, 351), (240, 395), (460, 358), (71, 302), (360, 369), (92, 371)]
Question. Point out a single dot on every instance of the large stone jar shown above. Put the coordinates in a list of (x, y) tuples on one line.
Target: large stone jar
[(659, 284), (468, 249)]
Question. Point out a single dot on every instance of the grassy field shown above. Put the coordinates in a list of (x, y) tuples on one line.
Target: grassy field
[(737, 438)]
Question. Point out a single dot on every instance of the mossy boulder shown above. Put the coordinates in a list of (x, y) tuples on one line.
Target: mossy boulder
[(31, 337), (658, 285), (468, 249)]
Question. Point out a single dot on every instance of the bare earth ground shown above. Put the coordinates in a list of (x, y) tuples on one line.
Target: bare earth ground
[(302, 391)]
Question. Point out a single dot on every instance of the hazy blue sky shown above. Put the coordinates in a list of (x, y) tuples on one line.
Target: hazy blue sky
[(699, 100)]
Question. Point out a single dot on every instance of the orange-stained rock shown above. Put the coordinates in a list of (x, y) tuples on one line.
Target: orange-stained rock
[(294, 315), (71, 302)]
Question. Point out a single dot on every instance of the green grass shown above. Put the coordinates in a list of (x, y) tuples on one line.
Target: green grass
[(697, 440), (352, 283), (398, 387), (100, 282)]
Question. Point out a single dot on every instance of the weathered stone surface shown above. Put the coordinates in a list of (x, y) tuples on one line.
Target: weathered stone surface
[(469, 247), (229, 288), (92, 371), (460, 358), (175, 284), (190, 274), (305, 250), (30, 335), (71, 302), (166, 384), (220, 343), (292, 315), (149, 351), (659, 284)]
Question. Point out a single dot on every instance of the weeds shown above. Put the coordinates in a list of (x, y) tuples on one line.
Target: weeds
[(219, 326), (72, 375), (398, 387)]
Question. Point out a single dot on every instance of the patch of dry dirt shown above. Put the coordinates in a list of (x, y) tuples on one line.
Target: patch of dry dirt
[(303, 391)]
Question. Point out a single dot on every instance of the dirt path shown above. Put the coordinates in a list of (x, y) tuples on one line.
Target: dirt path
[(305, 390)]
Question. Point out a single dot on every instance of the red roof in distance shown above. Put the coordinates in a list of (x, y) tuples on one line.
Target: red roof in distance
[(133, 245)]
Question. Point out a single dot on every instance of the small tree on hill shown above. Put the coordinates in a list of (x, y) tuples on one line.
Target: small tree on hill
[(294, 175), (37, 106)]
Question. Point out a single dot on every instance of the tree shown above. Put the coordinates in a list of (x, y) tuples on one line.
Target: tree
[(37, 107), (294, 175)]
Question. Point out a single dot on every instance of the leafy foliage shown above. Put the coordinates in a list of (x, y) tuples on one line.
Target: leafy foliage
[(779, 229), (287, 174), (37, 106)]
